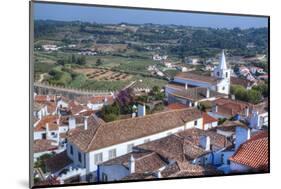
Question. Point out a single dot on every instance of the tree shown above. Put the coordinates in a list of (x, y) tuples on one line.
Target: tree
[(81, 60), (252, 96), (262, 88), (61, 62), (73, 59), (110, 112), (98, 62), (40, 163)]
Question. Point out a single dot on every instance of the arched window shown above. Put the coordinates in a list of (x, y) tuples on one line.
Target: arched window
[(226, 74)]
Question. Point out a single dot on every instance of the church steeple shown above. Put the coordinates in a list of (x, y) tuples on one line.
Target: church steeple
[(222, 71), (222, 65)]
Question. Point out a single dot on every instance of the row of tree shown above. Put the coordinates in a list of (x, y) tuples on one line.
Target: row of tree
[(80, 60)]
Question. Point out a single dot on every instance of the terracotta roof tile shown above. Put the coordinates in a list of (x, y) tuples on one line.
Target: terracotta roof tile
[(231, 107), (208, 119), (44, 145), (51, 120), (254, 152), (176, 106), (217, 141), (58, 162), (174, 147), (129, 129)]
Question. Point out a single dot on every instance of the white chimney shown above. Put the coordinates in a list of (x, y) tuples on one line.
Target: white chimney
[(208, 93), (47, 130), (242, 134), (205, 142), (215, 108), (47, 127), (72, 122), (86, 122), (132, 164), (141, 110), (247, 111), (48, 98), (159, 175)]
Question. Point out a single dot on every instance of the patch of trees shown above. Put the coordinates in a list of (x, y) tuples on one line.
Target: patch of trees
[(40, 163), (80, 60), (253, 95)]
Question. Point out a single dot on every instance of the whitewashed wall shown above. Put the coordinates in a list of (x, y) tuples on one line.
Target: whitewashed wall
[(114, 172), (121, 149)]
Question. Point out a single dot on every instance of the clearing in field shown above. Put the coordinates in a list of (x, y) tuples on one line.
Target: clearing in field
[(103, 74)]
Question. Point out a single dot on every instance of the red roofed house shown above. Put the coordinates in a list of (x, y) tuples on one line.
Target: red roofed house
[(97, 102), (209, 121), (91, 146), (252, 155), (226, 108)]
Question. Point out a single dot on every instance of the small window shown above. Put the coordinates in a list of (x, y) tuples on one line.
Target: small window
[(130, 148), (226, 74), (98, 158), (71, 150), (53, 133), (44, 136), (195, 122), (79, 157), (223, 88), (228, 162), (218, 73), (104, 177), (112, 153), (222, 158)]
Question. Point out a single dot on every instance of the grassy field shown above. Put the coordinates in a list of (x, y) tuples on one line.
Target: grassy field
[(127, 67)]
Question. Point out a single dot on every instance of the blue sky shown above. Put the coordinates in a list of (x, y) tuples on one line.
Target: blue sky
[(117, 15)]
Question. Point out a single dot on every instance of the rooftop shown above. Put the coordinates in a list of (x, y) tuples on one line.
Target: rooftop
[(44, 145), (57, 162), (197, 77), (196, 93), (254, 152), (120, 131)]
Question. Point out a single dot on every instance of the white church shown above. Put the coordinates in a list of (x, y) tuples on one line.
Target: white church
[(188, 87)]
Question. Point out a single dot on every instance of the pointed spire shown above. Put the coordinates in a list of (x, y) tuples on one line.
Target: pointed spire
[(222, 64)]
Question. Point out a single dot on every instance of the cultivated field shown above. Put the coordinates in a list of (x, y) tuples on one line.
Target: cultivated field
[(103, 74)]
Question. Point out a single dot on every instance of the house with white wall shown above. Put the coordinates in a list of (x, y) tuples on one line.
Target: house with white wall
[(152, 158), (89, 146)]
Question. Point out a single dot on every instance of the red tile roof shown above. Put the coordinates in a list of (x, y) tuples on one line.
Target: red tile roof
[(176, 106), (43, 98), (254, 152), (51, 120), (231, 107), (124, 130), (208, 119), (58, 162), (43, 145), (101, 99), (75, 107)]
